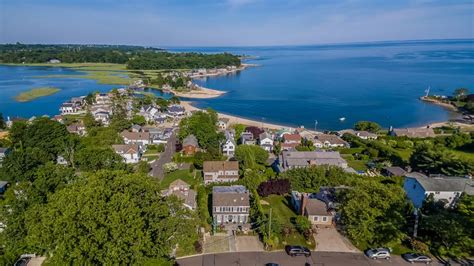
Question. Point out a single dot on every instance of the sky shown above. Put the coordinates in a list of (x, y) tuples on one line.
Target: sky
[(232, 22)]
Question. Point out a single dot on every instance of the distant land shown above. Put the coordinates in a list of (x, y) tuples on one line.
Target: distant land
[(35, 93)]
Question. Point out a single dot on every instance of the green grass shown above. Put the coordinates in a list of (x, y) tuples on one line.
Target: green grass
[(405, 153), (184, 175), (284, 215), (35, 93), (464, 154)]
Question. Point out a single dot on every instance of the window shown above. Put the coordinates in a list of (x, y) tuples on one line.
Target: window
[(316, 218), (437, 192), (325, 219)]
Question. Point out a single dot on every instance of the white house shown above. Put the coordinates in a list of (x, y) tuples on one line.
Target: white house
[(220, 171), (228, 147), (447, 189), (141, 138), (266, 141), (329, 141), (129, 152), (223, 123), (230, 205)]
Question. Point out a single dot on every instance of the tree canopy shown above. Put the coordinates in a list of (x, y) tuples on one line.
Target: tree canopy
[(203, 125), (367, 126)]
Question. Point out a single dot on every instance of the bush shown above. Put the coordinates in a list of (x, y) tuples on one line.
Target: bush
[(276, 186), (303, 225), (170, 167)]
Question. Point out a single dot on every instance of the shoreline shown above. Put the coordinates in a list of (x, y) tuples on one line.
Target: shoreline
[(437, 102), (201, 93), (236, 119)]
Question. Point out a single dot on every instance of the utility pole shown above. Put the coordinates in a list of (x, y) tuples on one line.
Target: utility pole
[(415, 228)]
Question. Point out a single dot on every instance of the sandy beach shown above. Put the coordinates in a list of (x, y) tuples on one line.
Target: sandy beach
[(200, 93), (237, 120)]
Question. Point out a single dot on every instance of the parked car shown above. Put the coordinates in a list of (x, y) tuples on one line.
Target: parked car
[(297, 251), (417, 257), (272, 264), (378, 253)]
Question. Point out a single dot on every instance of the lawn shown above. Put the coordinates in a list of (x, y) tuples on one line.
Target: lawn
[(358, 165), (284, 215), (35, 93), (464, 154), (184, 175), (405, 153)]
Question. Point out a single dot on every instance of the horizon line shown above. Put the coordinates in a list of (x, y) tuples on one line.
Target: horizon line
[(276, 45)]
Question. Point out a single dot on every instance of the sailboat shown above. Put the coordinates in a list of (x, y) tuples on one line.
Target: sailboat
[(342, 119), (427, 91)]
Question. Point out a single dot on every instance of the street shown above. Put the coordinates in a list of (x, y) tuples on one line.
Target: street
[(165, 157), (280, 257)]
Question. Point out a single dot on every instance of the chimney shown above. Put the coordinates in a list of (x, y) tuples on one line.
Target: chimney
[(304, 201)]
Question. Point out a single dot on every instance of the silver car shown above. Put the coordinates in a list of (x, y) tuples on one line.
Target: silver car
[(378, 253), (417, 257)]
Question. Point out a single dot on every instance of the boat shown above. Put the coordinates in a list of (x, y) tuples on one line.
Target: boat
[(342, 119)]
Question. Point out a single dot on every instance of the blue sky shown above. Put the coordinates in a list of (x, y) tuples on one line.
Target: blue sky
[(232, 22)]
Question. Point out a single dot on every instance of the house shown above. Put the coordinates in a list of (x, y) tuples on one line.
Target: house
[(223, 123), (102, 117), (160, 136), (69, 108), (176, 110), (230, 205), (149, 112), (256, 131), (229, 145), (140, 138), (102, 99), (182, 190), (313, 207), (265, 141), (299, 159), (190, 145), (136, 128), (426, 132), (393, 171), (290, 141), (247, 138), (365, 135), (130, 152), (445, 189), (220, 171), (77, 128), (54, 61), (3, 153), (3, 186), (329, 141)]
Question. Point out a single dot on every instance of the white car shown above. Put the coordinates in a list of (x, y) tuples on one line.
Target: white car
[(378, 253)]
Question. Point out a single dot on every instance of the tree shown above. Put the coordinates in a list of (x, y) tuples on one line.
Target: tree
[(460, 92), (138, 120), (303, 225), (251, 156), (3, 125), (21, 164), (97, 158), (367, 126), (239, 129), (110, 217), (203, 125), (310, 179), (275, 186)]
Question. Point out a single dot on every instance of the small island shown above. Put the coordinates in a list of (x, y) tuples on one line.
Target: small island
[(35, 93)]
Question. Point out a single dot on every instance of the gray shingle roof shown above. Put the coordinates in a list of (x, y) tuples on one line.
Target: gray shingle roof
[(190, 140), (307, 158), (316, 207), (446, 184), (230, 196)]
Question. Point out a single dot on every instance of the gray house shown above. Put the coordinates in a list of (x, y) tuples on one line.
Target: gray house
[(300, 159), (230, 205)]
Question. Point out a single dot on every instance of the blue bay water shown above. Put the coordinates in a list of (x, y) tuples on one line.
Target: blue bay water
[(379, 82), (297, 85)]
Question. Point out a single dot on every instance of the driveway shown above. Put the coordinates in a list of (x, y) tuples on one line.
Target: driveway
[(329, 239), (248, 243), (166, 157)]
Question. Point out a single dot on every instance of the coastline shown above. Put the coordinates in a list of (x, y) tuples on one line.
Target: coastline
[(236, 119), (437, 102), (201, 93)]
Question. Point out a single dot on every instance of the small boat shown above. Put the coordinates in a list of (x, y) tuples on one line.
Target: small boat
[(342, 119)]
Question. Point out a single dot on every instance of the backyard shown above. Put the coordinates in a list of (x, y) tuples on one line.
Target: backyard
[(285, 216), (192, 178)]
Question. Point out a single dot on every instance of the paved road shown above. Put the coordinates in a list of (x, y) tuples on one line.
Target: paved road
[(165, 157), (280, 257)]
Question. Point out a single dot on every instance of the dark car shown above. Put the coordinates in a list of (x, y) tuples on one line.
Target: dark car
[(272, 264), (297, 251), (417, 257)]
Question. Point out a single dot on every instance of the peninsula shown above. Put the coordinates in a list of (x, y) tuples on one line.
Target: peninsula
[(35, 93)]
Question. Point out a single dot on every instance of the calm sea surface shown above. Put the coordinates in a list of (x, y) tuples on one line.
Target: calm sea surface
[(298, 85), (379, 82)]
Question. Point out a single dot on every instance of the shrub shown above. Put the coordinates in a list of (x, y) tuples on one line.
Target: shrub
[(275, 186)]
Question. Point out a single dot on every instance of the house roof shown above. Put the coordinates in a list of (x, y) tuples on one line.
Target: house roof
[(188, 196), (178, 183), (224, 119), (135, 135), (215, 166), (316, 207), (236, 195), (307, 158), (190, 140), (265, 135), (395, 170), (332, 139), (3, 183), (446, 184), (292, 137), (414, 132), (126, 148)]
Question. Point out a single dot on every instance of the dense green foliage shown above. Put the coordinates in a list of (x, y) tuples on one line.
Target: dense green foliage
[(109, 218), (312, 178), (250, 156), (203, 125), (136, 57), (367, 126), (449, 231), (165, 60)]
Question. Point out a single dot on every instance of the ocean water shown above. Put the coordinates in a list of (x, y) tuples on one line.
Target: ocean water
[(298, 85), (308, 85)]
